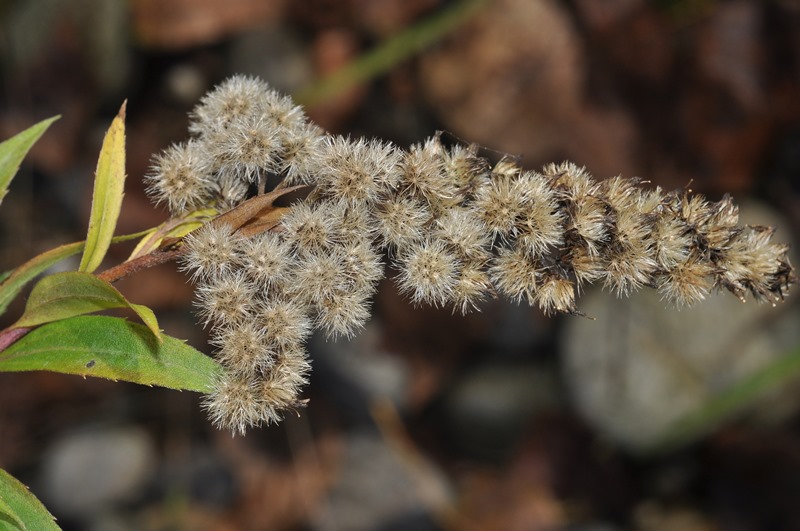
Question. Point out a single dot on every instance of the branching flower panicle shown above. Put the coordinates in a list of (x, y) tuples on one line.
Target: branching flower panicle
[(455, 229)]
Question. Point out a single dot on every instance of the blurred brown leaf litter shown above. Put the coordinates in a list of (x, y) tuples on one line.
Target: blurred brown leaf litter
[(697, 94)]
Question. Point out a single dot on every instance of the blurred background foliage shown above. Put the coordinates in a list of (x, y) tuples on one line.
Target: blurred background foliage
[(646, 417)]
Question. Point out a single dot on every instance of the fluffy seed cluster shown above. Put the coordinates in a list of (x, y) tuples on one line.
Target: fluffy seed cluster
[(455, 229)]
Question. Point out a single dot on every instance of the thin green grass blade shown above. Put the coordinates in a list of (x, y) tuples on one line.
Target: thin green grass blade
[(388, 54), (729, 403)]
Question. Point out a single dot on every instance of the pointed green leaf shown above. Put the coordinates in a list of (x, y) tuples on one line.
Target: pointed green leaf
[(13, 150), (20, 509), (63, 295), (109, 182), (113, 348), (13, 284)]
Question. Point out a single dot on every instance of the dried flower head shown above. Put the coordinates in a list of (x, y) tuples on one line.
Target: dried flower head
[(234, 404), (401, 220), (226, 300), (237, 98), (457, 230), (267, 260), (360, 171), (243, 348), (181, 177), (428, 272), (211, 251)]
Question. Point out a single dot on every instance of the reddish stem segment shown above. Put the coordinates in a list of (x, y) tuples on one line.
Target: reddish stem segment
[(9, 336), (157, 257)]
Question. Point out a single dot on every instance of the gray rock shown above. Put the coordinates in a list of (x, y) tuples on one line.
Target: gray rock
[(85, 472), (643, 365)]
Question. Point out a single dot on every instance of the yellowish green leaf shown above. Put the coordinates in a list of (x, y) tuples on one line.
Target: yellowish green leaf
[(109, 183)]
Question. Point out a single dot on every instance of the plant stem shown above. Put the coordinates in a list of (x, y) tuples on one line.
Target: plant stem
[(162, 255), (390, 52), (9, 336)]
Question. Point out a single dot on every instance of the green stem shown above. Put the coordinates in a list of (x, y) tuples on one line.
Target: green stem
[(390, 52)]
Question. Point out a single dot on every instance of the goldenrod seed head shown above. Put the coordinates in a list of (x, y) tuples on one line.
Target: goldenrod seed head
[(234, 404), (235, 98), (428, 272), (285, 322), (181, 177), (226, 300), (267, 260), (310, 227), (243, 348), (357, 171), (401, 221), (456, 229), (211, 251)]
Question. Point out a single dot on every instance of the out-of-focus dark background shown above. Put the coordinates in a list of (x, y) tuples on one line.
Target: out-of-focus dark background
[(646, 417)]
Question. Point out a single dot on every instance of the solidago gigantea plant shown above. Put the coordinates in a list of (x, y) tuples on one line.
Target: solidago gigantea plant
[(456, 230)]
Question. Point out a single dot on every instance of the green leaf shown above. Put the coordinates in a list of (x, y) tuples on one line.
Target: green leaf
[(13, 150), (20, 509), (12, 285), (113, 348), (8, 516), (64, 295), (109, 183)]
